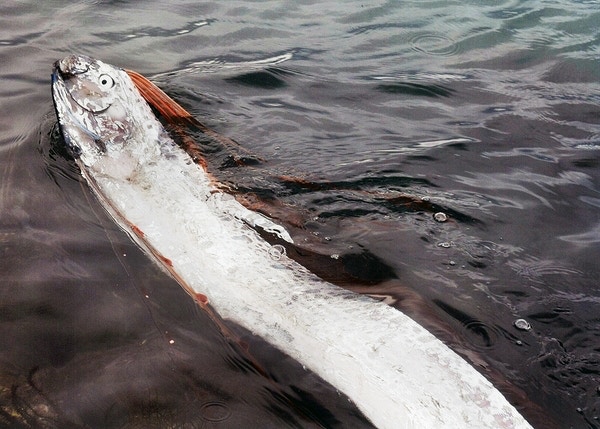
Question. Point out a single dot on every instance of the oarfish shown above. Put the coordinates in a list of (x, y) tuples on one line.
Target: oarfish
[(396, 372)]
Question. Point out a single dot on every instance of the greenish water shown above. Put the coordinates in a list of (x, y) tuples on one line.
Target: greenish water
[(489, 111)]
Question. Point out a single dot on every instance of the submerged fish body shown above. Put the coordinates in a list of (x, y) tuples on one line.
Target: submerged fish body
[(396, 372)]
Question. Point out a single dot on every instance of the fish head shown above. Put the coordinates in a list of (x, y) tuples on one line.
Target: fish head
[(98, 106)]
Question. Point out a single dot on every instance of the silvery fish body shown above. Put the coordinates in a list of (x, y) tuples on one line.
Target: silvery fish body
[(395, 371)]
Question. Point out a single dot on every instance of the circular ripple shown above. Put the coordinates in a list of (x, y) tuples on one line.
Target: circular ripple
[(434, 44), (480, 335), (215, 412)]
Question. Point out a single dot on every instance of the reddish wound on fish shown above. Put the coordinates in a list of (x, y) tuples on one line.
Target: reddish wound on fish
[(201, 298), (167, 261), (137, 231)]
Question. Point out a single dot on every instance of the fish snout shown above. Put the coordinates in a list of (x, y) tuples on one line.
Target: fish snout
[(73, 65)]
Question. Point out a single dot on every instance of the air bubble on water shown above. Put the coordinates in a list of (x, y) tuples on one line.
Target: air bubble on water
[(522, 324), (445, 245), (440, 217), (335, 256), (452, 263), (519, 343), (276, 252)]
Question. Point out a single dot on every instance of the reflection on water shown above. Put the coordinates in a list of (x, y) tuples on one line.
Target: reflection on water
[(370, 119)]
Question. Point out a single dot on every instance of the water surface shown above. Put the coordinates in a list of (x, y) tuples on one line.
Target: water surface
[(371, 117)]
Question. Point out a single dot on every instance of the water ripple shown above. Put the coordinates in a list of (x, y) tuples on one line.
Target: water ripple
[(537, 271), (220, 65), (435, 44), (480, 335), (522, 181), (589, 237), (408, 88), (540, 154), (21, 40), (147, 31)]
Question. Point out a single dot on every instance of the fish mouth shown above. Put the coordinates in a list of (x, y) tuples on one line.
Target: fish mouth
[(72, 65), (61, 107), (65, 105), (57, 76)]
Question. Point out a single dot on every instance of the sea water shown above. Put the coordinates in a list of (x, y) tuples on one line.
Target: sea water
[(370, 119)]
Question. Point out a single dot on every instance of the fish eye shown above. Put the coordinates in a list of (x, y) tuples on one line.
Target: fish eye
[(105, 81)]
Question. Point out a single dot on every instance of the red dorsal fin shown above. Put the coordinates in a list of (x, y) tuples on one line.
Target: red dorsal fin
[(174, 114), (165, 105)]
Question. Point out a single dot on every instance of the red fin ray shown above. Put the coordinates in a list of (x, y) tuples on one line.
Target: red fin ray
[(174, 114)]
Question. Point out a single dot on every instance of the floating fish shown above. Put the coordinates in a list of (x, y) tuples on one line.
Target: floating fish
[(396, 372)]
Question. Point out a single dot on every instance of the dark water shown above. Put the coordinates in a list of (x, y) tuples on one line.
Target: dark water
[(383, 114)]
